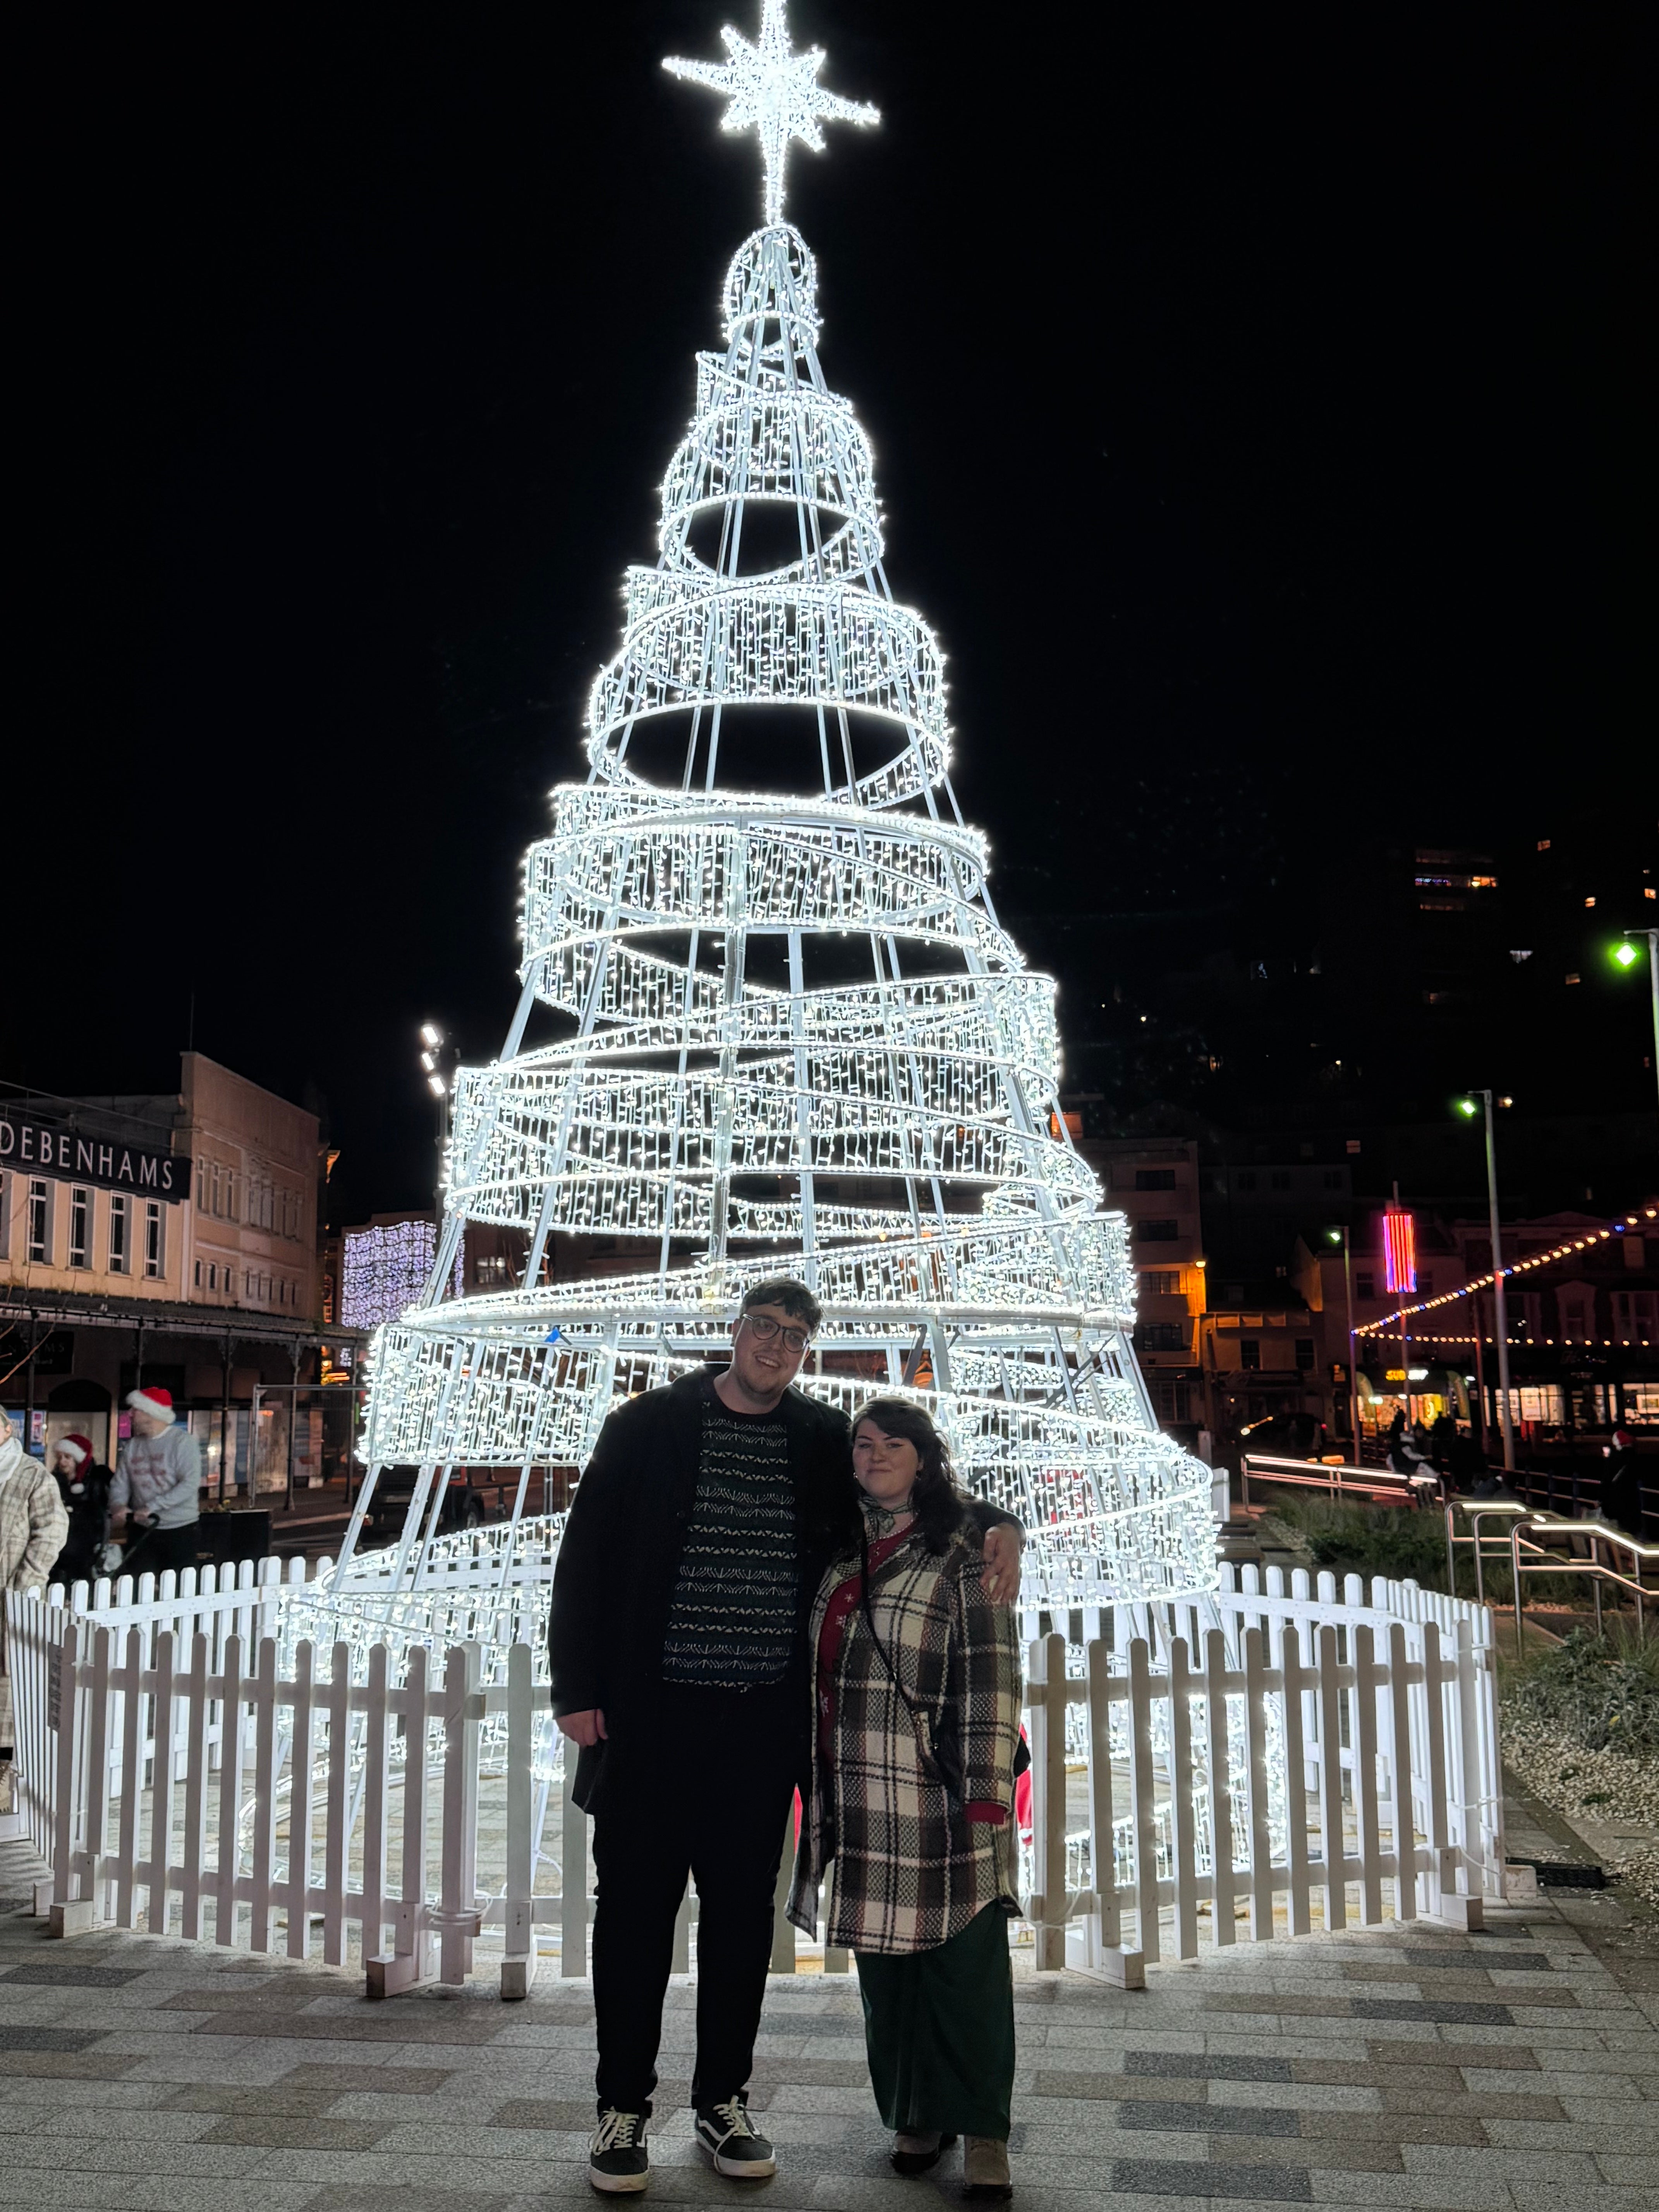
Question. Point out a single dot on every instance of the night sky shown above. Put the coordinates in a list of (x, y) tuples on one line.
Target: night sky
[(1254, 397)]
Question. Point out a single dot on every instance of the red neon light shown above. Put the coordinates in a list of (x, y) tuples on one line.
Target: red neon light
[(1398, 1252)]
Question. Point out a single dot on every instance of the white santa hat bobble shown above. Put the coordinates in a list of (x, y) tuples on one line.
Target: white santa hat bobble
[(154, 1401)]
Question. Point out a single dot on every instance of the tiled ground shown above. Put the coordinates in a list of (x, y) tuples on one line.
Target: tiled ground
[(1515, 2071)]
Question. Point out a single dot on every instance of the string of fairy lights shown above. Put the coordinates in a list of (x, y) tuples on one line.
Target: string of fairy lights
[(1585, 1239)]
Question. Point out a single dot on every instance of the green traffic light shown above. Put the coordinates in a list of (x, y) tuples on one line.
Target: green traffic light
[(1625, 954)]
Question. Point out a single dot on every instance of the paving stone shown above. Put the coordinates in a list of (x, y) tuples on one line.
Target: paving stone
[(1209, 2119), (277, 2130), (1209, 2067), (13, 2037), (71, 1975), (1442, 2011), (1284, 2183), (1509, 1961)]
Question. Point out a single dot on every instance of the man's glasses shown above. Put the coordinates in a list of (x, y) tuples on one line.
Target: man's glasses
[(796, 1339)]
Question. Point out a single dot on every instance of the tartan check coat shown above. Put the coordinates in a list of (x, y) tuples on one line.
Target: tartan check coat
[(908, 1870)]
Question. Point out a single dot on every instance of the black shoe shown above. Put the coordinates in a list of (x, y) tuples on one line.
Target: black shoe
[(617, 2157), (731, 2139), (910, 2153)]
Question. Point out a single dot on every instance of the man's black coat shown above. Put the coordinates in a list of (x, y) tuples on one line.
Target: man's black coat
[(620, 1553)]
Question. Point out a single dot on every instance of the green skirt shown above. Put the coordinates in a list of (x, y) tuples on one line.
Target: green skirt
[(938, 2026)]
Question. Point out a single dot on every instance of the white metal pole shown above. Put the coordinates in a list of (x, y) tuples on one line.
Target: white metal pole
[(1505, 1420)]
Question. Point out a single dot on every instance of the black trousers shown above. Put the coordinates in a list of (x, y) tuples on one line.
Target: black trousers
[(704, 1791), (158, 1549)]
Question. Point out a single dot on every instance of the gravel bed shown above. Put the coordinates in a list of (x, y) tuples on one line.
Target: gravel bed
[(1591, 1785)]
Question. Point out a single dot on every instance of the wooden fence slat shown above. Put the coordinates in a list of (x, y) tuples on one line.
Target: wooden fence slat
[(1400, 1732), (227, 1914), (1183, 1841), (1443, 1879), (1141, 1784), (1330, 1780), (302, 1801), (1255, 1724), (196, 1774), (1102, 1826), (458, 1863), (1298, 1904), (518, 1941), (1221, 1803), (375, 1715), (337, 1839), (159, 1893), (132, 1778), (260, 1887), (1364, 1708), (99, 1759)]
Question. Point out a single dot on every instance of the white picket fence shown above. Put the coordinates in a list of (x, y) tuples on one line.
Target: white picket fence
[(1288, 1746)]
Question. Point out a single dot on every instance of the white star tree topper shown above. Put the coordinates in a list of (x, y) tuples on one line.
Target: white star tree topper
[(775, 91)]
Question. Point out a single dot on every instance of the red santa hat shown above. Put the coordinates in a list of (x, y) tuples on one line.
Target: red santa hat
[(78, 1448), (154, 1401)]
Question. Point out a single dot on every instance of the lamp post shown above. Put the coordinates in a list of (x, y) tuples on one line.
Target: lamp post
[(1626, 956), (1340, 1236), (1466, 1106)]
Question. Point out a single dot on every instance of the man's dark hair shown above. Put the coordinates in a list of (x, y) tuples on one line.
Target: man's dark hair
[(794, 1298), (937, 1502)]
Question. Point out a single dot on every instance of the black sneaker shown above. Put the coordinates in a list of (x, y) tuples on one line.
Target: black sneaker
[(616, 2157), (732, 2141)]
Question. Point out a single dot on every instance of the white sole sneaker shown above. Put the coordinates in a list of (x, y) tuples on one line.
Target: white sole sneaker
[(617, 2185)]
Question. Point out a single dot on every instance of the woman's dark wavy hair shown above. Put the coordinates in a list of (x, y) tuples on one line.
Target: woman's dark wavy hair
[(939, 1504)]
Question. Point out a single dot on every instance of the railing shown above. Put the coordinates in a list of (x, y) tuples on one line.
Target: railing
[(1537, 1533), (1276, 1740), (1336, 1478)]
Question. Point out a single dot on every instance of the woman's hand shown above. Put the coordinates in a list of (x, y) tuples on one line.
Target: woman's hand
[(585, 1729), (1000, 1578)]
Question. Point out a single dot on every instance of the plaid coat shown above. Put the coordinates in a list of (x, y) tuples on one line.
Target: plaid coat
[(908, 1870)]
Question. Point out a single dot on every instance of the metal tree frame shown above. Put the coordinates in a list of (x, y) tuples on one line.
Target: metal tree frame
[(793, 1036)]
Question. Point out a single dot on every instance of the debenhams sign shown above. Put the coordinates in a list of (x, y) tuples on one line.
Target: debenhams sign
[(44, 1148)]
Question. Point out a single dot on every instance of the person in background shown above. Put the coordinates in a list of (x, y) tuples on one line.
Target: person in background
[(910, 1809), (84, 1486), (1621, 1485), (32, 1524), (158, 1483)]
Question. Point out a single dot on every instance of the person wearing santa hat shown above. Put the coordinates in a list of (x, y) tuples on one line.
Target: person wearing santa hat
[(83, 1485), (158, 1482)]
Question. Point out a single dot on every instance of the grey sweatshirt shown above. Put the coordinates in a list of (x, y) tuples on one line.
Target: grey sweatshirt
[(160, 1476)]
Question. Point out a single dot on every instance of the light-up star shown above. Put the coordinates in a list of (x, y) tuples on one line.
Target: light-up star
[(775, 91)]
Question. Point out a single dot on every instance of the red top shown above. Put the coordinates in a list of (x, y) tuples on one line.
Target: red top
[(844, 1603)]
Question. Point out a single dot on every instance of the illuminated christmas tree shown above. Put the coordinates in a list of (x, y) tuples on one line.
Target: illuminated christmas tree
[(792, 1035)]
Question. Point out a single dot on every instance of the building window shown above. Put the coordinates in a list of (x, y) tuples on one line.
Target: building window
[(1245, 1179), (1158, 1232), (5, 1217), (1162, 1336), (1333, 1178), (1364, 1286), (1425, 1284), (1304, 1354), (230, 1194), (40, 1223), (120, 1250), (1249, 1352), (1281, 1179), (201, 1186), (1155, 1282), (155, 1239), (1155, 1178), (80, 1236), (198, 1274)]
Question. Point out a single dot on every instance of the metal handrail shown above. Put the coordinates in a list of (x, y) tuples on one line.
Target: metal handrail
[(1335, 1478), (1596, 1533)]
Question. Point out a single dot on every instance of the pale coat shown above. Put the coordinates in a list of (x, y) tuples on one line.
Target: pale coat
[(33, 1521), (908, 1869)]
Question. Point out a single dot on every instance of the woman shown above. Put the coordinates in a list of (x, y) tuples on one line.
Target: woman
[(83, 1485), (917, 1717)]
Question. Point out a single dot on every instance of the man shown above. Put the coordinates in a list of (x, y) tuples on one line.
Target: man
[(158, 1477), (696, 1539), (33, 1526)]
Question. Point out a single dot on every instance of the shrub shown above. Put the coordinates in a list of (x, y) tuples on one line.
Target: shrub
[(1603, 1691)]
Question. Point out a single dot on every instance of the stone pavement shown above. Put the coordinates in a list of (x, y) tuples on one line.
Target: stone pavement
[(1512, 2071)]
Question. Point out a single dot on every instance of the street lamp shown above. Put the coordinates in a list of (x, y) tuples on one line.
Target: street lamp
[(1626, 956), (1467, 1107), (1340, 1236)]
